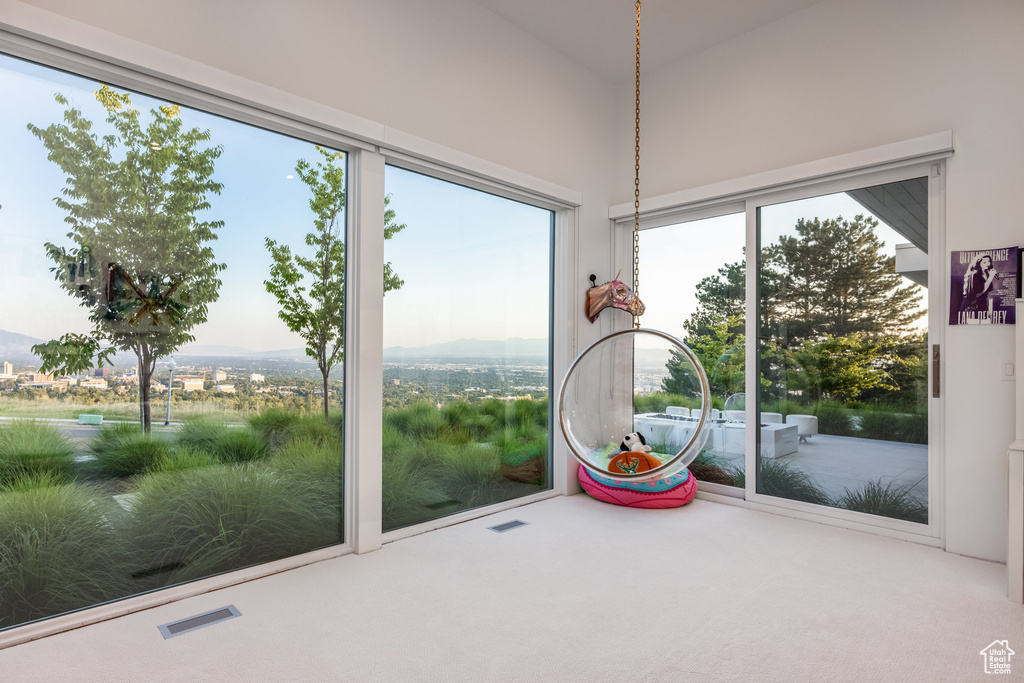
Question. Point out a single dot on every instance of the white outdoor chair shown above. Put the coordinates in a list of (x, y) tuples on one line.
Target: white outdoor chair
[(676, 410), (771, 418), (806, 425)]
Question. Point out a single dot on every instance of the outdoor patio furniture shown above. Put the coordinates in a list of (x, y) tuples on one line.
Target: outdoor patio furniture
[(771, 418), (735, 415), (807, 425), (676, 410)]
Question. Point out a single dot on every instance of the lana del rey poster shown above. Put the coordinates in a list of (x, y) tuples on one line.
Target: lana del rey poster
[(983, 287)]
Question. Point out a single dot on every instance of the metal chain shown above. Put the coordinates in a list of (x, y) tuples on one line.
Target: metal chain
[(636, 191)]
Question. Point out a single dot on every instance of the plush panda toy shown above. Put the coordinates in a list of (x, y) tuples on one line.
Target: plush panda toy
[(635, 442)]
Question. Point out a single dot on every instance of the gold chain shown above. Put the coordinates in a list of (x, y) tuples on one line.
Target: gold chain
[(636, 191)]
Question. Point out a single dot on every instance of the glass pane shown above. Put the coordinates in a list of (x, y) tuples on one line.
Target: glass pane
[(692, 277), (466, 336), (153, 317), (843, 350)]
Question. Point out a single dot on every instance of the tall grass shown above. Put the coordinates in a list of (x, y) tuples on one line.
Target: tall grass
[(206, 521), (887, 500), (833, 418), (125, 451), (894, 426), (34, 448), (60, 550), (785, 480)]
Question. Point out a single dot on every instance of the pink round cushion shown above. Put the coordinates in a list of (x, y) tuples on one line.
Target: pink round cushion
[(634, 495)]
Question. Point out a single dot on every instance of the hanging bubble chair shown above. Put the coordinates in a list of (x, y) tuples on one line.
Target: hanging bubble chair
[(606, 398)]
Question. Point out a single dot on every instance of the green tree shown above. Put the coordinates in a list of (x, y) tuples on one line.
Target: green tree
[(840, 368), (311, 290), (829, 280), (720, 351), (139, 261)]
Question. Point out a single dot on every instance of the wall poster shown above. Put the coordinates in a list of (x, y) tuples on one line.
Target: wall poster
[(983, 287)]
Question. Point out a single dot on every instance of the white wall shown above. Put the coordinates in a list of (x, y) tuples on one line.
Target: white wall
[(846, 75)]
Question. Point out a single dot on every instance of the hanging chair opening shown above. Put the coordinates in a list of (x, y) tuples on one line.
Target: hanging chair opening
[(615, 389)]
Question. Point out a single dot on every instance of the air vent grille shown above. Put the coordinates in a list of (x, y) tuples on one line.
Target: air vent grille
[(507, 526), (182, 626)]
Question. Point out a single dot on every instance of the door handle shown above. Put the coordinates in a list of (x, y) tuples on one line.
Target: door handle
[(936, 365)]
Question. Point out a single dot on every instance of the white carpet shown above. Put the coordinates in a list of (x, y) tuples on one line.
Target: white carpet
[(586, 592)]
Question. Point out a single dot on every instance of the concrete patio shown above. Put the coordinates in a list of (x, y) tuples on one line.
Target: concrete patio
[(844, 462)]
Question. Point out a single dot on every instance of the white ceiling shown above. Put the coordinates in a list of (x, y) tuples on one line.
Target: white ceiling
[(599, 34)]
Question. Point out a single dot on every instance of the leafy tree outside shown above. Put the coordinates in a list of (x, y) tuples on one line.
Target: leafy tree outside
[(833, 315), (139, 259), (311, 290)]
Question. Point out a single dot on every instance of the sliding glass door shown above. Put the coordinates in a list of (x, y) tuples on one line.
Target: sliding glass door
[(843, 393)]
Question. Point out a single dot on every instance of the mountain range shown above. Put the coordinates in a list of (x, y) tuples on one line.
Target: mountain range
[(18, 346)]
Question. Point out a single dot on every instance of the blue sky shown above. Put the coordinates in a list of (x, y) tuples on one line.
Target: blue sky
[(475, 265), (675, 258)]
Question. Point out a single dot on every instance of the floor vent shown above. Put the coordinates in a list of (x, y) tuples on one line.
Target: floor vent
[(507, 526), (177, 628)]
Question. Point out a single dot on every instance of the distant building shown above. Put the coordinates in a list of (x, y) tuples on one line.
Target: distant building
[(67, 379), (94, 383), (192, 384), (219, 375), (396, 382), (8, 368), (37, 377), (59, 386), (320, 393), (254, 377), (102, 372), (225, 388)]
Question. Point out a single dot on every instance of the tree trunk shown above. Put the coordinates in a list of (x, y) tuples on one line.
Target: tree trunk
[(326, 373), (146, 367)]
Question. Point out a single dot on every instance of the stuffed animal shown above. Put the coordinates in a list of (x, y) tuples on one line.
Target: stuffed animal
[(635, 456), (635, 441)]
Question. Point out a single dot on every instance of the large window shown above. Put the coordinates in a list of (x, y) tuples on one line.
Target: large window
[(693, 287), (843, 397), (172, 337), (466, 359)]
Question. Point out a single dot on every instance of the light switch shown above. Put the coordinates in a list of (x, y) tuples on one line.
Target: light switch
[(1009, 373)]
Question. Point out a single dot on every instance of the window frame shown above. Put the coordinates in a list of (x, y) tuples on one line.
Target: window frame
[(926, 156), (91, 52)]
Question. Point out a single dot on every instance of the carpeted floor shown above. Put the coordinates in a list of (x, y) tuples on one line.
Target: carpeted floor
[(585, 592)]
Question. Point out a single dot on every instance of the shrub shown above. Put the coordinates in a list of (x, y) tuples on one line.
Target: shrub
[(785, 407), (200, 433), (32, 481), (274, 426), (315, 428), (60, 550), (420, 420), (240, 444), (886, 500), (184, 458), (34, 448), (470, 474), (833, 418), (785, 480), (205, 521), (316, 465), (893, 426), (410, 495), (880, 425), (125, 453), (658, 401)]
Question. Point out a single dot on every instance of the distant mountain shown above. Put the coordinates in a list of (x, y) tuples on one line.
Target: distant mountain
[(14, 345), (470, 348), (237, 352)]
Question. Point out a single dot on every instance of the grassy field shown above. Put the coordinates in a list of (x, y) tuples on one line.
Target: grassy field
[(50, 409)]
